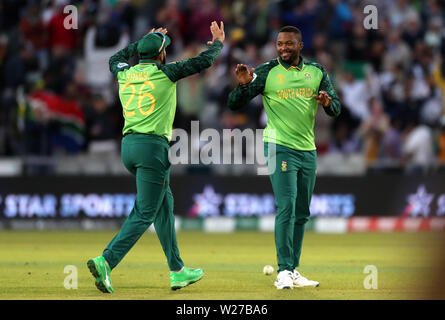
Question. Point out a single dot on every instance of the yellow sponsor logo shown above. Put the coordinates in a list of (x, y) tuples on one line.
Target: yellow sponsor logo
[(280, 78), (295, 93)]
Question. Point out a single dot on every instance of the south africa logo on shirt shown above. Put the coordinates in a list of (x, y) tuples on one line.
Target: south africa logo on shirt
[(307, 75), (283, 165), (280, 78)]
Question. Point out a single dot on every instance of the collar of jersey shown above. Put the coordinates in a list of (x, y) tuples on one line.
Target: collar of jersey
[(147, 61), (288, 66)]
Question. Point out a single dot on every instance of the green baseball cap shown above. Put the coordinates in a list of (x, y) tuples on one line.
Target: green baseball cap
[(152, 44)]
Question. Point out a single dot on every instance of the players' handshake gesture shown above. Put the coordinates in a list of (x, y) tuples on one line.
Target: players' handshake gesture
[(217, 32)]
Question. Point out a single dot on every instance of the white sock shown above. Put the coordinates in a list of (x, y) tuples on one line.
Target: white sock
[(178, 271)]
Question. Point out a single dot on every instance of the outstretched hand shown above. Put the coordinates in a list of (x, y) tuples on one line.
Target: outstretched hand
[(243, 75), (217, 32), (323, 98)]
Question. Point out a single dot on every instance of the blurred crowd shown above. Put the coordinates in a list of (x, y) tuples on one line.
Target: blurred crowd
[(57, 95)]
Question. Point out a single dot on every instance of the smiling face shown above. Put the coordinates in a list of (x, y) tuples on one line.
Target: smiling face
[(289, 45)]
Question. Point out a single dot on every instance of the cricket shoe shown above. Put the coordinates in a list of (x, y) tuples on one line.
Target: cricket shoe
[(299, 281), (100, 270), (284, 280), (184, 278)]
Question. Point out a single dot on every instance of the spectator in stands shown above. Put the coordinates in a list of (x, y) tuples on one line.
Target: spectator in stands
[(438, 76), (34, 31), (206, 12), (399, 12), (391, 146), (417, 148), (343, 137), (304, 15), (373, 129), (344, 140), (400, 63), (96, 56), (433, 35), (394, 95), (102, 126), (397, 52), (171, 17), (412, 31), (357, 43), (69, 134), (441, 145), (62, 40), (341, 19), (355, 95)]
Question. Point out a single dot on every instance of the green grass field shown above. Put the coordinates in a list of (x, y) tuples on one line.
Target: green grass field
[(32, 265)]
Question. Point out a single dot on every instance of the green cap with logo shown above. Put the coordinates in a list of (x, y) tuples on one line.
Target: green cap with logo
[(152, 44)]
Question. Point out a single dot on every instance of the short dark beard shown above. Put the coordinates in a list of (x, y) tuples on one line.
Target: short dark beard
[(293, 59)]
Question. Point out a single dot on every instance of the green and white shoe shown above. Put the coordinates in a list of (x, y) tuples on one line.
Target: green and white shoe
[(100, 270), (184, 278)]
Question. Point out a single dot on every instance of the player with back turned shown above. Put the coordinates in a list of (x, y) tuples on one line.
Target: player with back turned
[(148, 95), (291, 90)]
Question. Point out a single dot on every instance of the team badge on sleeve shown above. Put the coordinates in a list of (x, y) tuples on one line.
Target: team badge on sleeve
[(283, 165), (120, 65)]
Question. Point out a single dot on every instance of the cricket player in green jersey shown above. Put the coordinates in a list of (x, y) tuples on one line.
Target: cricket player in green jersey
[(148, 95), (291, 89)]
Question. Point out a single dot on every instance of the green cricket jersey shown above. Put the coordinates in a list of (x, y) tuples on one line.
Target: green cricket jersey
[(287, 93), (147, 90)]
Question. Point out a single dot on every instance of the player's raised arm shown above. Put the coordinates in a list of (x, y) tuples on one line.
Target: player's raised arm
[(119, 61), (178, 70)]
